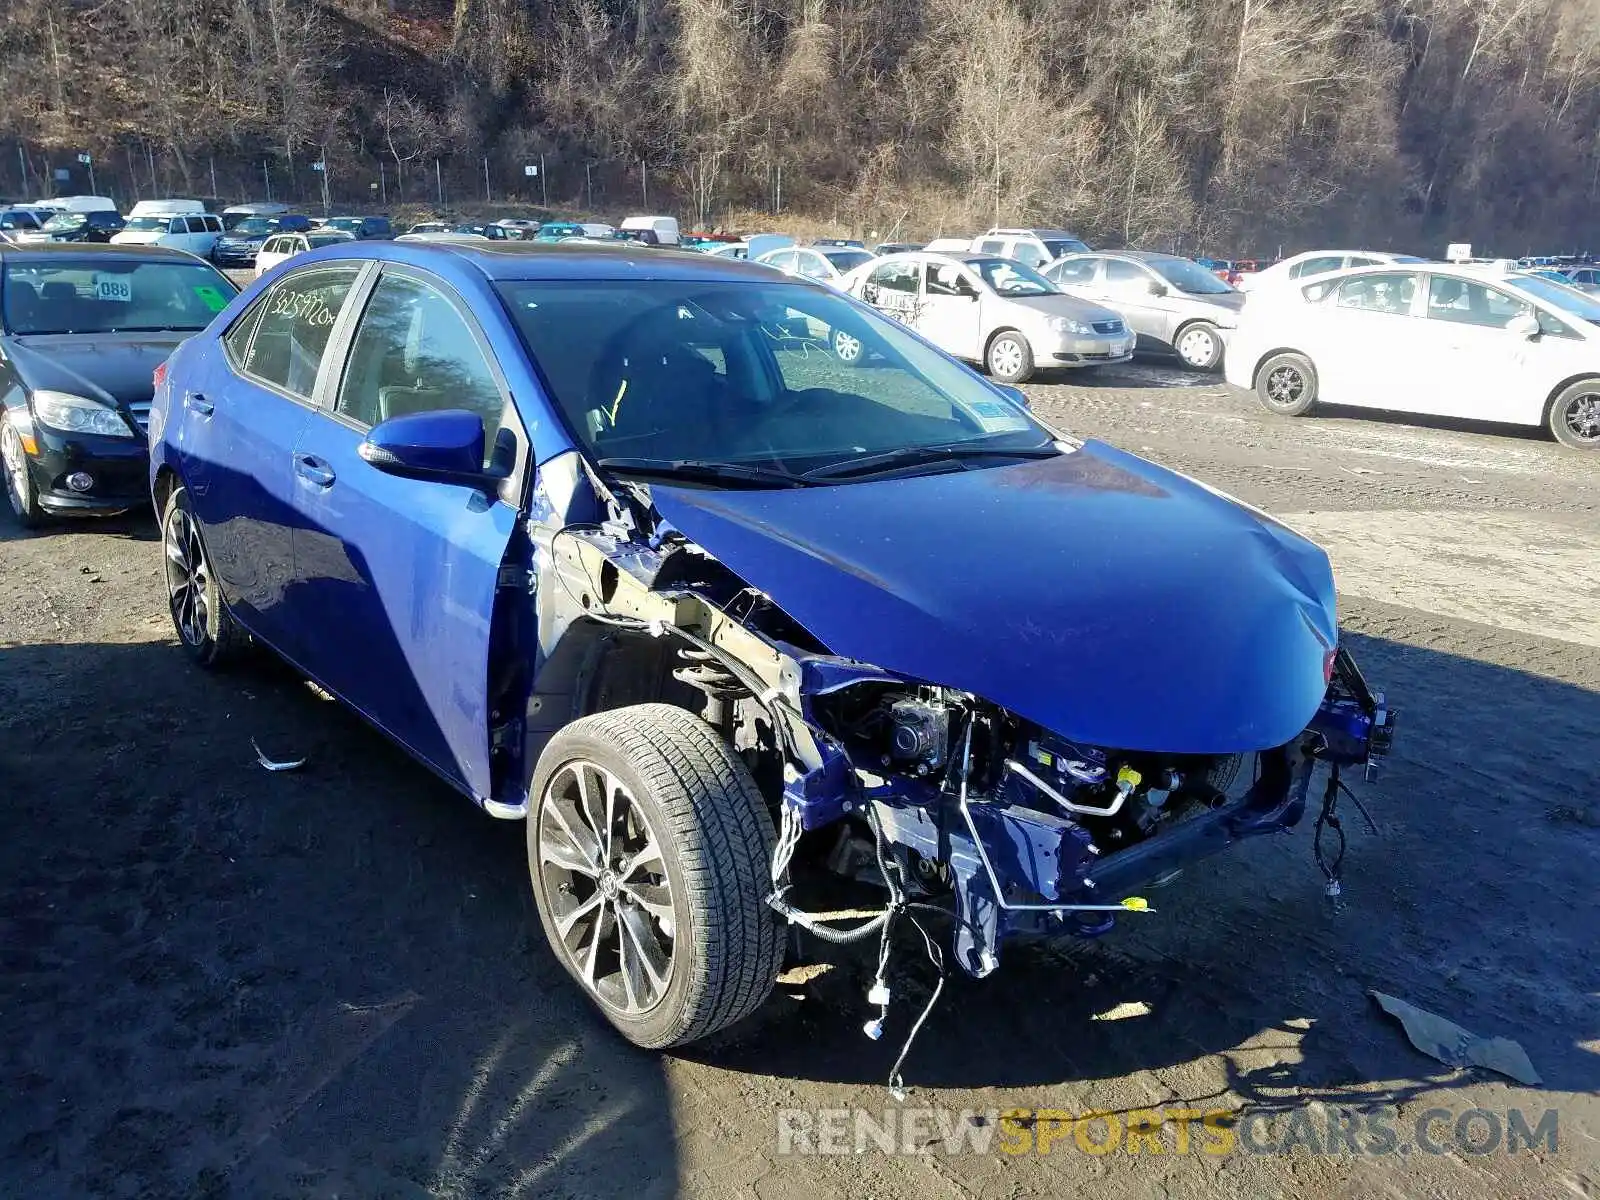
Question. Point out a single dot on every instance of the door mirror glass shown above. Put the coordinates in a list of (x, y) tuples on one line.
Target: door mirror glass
[(445, 445), (1524, 325)]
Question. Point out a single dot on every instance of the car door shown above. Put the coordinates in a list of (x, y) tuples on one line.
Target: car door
[(1472, 363), (893, 289), (1126, 287), (950, 312), (1370, 349), (238, 425), (396, 577), (1077, 276)]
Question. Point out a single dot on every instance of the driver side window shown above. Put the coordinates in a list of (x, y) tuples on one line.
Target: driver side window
[(414, 352), (1124, 276)]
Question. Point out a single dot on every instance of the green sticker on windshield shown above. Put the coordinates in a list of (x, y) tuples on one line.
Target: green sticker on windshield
[(212, 297)]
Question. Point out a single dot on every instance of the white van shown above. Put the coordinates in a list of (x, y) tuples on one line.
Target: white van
[(195, 230), (665, 229)]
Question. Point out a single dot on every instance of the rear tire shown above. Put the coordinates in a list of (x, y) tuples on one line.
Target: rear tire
[(205, 628), (20, 489), (1575, 415), (1286, 384), (1010, 358), (647, 829)]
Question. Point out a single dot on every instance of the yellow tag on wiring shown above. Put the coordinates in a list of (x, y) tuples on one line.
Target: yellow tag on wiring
[(1136, 904)]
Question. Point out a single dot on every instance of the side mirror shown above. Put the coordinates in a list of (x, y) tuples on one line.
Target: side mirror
[(1014, 393), (1155, 287), (442, 446), (1524, 325)]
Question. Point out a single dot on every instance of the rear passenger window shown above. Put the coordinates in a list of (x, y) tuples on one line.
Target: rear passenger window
[(414, 352), (992, 246), (282, 338)]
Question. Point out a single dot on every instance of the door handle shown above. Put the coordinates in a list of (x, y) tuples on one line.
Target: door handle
[(312, 468), (200, 404)]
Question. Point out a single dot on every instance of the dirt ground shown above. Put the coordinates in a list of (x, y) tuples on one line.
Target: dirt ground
[(223, 982)]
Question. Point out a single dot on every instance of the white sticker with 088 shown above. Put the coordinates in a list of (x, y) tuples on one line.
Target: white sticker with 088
[(113, 287)]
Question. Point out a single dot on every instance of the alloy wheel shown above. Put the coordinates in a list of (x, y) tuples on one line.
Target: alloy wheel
[(1582, 417), (1285, 386), (847, 348), (606, 881), (15, 460), (188, 578)]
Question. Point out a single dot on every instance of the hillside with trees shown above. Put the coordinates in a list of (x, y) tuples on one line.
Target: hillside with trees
[(1227, 125)]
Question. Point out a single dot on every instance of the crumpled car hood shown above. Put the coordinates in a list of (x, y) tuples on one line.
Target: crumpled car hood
[(1105, 598)]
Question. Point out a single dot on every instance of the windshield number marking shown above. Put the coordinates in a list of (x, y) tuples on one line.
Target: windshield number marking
[(115, 288)]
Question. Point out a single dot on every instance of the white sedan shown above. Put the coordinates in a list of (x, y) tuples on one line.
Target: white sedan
[(1452, 341), (284, 246), (1312, 263), (825, 264)]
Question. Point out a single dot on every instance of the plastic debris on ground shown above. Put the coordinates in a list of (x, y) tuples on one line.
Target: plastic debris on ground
[(1455, 1046)]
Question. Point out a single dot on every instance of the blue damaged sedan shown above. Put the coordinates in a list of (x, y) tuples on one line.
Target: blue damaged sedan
[(613, 542)]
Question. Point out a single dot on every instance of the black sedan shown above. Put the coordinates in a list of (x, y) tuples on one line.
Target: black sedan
[(82, 332)]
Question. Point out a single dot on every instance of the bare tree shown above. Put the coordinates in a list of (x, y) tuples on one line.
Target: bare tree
[(409, 131)]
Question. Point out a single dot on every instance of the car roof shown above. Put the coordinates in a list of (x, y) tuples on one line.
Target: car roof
[(44, 251), (505, 260)]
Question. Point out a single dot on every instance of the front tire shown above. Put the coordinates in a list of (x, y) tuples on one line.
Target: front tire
[(20, 489), (1575, 415), (650, 850), (204, 626), (1010, 358), (1199, 346), (1287, 385)]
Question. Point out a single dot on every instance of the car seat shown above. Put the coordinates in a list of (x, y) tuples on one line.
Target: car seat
[(58, 306), (650, 389)]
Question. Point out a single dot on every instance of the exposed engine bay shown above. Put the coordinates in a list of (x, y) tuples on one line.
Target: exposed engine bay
[(944, 798)]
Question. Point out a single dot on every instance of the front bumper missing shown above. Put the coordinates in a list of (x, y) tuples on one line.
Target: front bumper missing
[(1015, 868)]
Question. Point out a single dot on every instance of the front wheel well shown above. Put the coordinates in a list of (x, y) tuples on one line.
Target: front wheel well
[(1550, 400), (990, 340), (1268, 355)]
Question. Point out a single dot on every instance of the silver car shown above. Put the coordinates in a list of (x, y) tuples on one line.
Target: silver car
[(1174, 304), (988, 310)]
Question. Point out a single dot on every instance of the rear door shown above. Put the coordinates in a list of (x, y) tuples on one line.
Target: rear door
[(239, 425), (396, 578), (1125, 287), (950, 313), (1373, 349)]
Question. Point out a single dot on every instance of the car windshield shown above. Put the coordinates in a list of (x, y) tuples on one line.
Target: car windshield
[(559, 230), (329, 238), (149, 224), (110, 295), (1056, 247), (742, 374), (1011, 278), (254, 226), (1559, 295), (350, 223), (65, 221), (844, 259), (1189, 277)]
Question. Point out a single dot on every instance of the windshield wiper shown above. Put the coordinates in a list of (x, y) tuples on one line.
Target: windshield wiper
[(700, 470), (910, 456)]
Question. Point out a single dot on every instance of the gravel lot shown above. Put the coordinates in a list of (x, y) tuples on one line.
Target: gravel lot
[(220, 981)]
